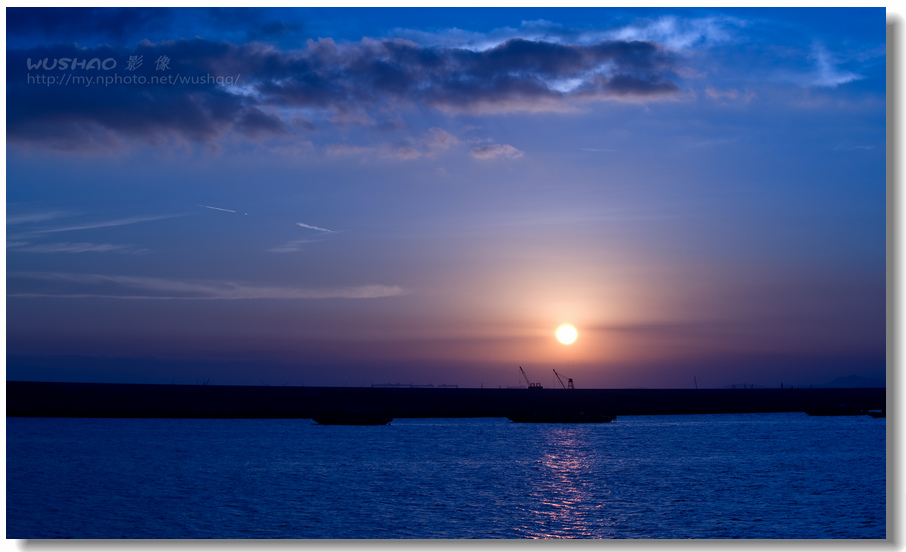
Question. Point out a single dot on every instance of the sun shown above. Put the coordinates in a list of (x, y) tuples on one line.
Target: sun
[(566, 334)]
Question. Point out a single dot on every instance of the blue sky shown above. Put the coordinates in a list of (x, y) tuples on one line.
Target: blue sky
[(348, 196)]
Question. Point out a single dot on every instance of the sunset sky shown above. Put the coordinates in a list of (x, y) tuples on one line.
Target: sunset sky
[(333, 196)]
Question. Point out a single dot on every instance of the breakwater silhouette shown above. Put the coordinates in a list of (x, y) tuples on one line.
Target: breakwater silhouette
[(112, 400)]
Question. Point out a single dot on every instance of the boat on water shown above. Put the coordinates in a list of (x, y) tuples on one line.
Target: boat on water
[(835, 410), (877, 413), (561, 418), (346, 417)]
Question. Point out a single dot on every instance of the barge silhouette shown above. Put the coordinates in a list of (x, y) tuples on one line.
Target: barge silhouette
[(115, 400), (836, 410)]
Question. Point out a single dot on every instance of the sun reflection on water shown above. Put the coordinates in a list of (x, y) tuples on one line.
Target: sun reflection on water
[(567, 492)]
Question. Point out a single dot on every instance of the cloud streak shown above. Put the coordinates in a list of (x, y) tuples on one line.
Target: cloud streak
[(139, 287), (217, 208), (429, 145), (80, 247), (23, 240), (311, 227), (290, 247), (35, 217), (105, 224)]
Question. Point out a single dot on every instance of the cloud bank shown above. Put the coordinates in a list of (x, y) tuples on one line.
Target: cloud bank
[(197, 90)]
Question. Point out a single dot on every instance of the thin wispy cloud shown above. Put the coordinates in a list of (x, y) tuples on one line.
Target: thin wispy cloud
[(712, 143), (438, 139), (81, 247), (496, 151), (312, 227), (139, 287), (852, 147), (464, 39), (105, 224), (35, 217), (294, 246), (217, 208), (729, 95), (428, 145), (681, 33), (339, 150), (827, 73), (821, 68)]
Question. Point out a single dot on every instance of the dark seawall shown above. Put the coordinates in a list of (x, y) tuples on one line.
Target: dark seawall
[(111, 400)]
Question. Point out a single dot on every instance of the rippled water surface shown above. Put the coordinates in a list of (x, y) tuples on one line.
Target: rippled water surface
[(712, 476)]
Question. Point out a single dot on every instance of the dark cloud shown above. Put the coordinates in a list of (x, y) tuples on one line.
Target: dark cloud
[(253, 121), (94, 108), (366, 82), (629, 85), (555, 60)]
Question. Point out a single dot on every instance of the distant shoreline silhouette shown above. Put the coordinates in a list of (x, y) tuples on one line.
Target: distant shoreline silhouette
[(112, 400)]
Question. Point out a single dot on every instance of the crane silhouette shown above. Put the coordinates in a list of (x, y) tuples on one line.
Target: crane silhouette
[(530, 384), (570, 380)]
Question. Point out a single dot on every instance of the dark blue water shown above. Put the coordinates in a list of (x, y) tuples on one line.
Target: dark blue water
[(713, 476)]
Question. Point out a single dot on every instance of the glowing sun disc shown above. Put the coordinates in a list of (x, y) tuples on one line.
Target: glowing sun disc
[(566, 334)]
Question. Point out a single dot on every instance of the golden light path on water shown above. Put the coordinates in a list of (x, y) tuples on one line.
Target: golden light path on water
[(565, 505)]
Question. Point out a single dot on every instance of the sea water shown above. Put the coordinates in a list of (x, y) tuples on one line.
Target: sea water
[(777, 476)]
